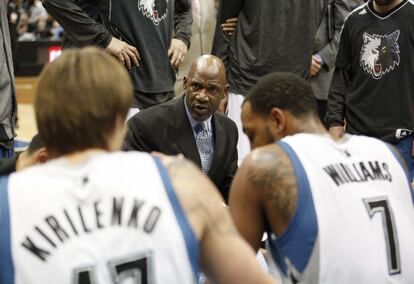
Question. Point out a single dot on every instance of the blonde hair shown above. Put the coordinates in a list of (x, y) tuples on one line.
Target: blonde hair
[(78, 100)]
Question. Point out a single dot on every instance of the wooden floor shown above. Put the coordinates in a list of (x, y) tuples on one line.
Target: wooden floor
[(26, 124)]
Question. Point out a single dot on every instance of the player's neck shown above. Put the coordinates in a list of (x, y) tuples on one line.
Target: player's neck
[(311, 125), (81, 157), (386, 8)]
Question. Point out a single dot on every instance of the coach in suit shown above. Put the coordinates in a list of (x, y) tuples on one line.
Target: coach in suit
[(190, 125), (325, 50)]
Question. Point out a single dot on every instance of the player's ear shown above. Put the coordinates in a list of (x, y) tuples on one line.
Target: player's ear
[(278, 119), (226, 91), (41, 156), (185, 80)]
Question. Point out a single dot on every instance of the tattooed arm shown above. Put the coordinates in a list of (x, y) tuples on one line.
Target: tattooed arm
[(263, 193), (225, 256)]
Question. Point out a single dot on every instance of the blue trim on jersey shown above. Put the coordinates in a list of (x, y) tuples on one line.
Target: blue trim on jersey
[(189, 236), (6, 262), (403, 165), (296, 244)]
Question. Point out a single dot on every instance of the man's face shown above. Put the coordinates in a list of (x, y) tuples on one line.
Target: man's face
[(205, 88), (257, 128)]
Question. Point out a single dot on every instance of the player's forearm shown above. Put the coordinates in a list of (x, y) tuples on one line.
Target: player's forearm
[(183, 20), (77, 23), (335, 113)]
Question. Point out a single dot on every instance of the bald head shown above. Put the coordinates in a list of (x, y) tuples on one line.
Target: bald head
[(210, 64), (205, 86)]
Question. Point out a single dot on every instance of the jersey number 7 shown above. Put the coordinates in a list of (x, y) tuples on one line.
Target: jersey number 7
[(137, 269), (381, 205)]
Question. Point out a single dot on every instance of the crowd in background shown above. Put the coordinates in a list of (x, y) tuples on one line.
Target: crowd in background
[(29, 21)]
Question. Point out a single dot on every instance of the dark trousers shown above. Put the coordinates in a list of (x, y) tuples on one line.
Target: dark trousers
[(322, 106), (146, 100), (7, 149), (405, 147)]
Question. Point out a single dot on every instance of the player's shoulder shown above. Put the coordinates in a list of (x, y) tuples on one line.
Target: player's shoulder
[(125, 157), (125, 164), (196, 194), (361, 141), (188, 181), (184, 174), (264, 159), (262, 153), (99, 162)]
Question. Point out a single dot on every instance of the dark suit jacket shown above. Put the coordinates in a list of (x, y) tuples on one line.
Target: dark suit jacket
[(165, 128)]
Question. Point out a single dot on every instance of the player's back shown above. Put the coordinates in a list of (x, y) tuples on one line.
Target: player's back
[(354, 220), (114, 217)]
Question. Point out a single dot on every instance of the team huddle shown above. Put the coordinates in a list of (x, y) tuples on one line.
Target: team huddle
[(333, 210), (144, 187)]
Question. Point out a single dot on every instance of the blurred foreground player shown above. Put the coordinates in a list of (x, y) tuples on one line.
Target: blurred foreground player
[(90, 216), (34, 154), (336, 212)]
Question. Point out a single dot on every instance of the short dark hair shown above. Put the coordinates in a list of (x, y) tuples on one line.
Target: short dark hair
[(35, 144), (285, 91)]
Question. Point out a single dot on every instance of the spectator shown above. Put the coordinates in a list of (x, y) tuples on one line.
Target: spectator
[(42, 30), (37, 12), (372, 89)]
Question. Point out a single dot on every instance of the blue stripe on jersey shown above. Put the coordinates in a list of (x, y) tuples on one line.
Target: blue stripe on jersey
[(189, 237), (403, 165), (6, 263), (297, 242)]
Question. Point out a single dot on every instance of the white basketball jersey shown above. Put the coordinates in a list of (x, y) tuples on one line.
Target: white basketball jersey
[(114, 219), (354, 220)]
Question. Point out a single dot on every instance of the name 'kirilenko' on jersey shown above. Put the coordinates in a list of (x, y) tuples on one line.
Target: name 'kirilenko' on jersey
[(96, 222), (61, 225)]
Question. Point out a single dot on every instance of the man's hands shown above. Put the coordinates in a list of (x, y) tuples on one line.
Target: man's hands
[(316, 65), (177, 51), (126, 54), (229, 26)]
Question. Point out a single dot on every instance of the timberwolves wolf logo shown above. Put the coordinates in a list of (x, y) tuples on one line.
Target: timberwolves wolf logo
[(380, 53), (156, 10)]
